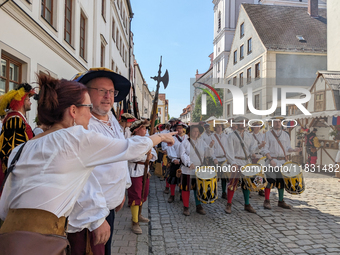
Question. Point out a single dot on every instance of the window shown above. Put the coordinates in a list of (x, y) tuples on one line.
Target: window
[(117, 35), (82, 35), (242, 30), (241, 52), (126, 58), (241, 80), (257, 102), (102, 55), (235, 57), (234, 80), (68, 21), (249, 75), (123, 53), (228, 109), (257, 70), (112, 65), (103, 8), (47, 10), (249, 49), (219, 21), (218, 67), (116, 69), (113, 29), (10, 74), (320, 101), (228, 91)]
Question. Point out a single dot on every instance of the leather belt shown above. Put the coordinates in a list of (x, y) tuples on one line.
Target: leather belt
[(34, 220), (138, 163), (220, 157), (241, 158), (279, 158)]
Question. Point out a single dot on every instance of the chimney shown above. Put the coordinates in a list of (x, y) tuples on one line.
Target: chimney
[(313, 6)]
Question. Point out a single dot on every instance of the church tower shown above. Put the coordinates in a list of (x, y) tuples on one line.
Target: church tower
[(225, 19)]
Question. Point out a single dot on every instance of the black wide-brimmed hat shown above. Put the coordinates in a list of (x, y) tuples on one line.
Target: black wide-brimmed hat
[(120, 83)]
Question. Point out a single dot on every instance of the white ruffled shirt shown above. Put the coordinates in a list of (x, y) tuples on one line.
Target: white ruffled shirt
[(105, 190), (235, 148), (189, 156), (138, 170), (218, 151), (52, 170)]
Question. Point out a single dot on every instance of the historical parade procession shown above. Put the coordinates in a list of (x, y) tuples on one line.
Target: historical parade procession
[(97, 158)]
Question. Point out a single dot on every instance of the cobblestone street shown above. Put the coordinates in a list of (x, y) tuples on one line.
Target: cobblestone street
[(312, 227)]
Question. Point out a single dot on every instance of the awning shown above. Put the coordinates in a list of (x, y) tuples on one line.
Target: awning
[(315, 115)]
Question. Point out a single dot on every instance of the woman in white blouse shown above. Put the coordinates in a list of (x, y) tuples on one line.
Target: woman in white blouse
[(54, 166)]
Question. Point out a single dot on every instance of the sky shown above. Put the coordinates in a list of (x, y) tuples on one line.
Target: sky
[(181, 31)]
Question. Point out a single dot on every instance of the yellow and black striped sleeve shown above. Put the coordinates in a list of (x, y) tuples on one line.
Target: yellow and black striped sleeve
[(13, 133)]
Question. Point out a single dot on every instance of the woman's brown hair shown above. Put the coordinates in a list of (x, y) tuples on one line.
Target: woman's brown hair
[(56, 96)]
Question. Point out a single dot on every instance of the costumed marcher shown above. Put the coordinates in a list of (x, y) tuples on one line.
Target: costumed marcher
[(207, 134), (259, 138), (241, 145), (230, 129), (192, 151), (163, 156), (175, 158), (276, 150), (172, 122), (125, 122), (109, 181), (39, 195), (137, 169), (220, 148), (15, 128), (312, 142)]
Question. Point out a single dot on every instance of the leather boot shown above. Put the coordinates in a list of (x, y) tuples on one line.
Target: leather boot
[(140, 216), (200, 210), (224, 195), (186, 211), (136, 228), (266, 204), (167, 190), (284, 205), (171, 199), (249, 208), (261, 193), (228, 208)]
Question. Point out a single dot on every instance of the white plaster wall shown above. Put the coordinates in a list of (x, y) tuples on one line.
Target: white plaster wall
[(333, 35)]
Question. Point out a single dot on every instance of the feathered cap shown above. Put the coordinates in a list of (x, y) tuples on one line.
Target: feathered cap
[(15, 98), (138, 123)]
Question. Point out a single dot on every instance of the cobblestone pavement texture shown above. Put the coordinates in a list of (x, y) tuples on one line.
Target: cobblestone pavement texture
[(311, 227)]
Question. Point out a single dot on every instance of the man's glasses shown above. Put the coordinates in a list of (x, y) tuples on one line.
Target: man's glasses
[(102, 92), (86, 105)]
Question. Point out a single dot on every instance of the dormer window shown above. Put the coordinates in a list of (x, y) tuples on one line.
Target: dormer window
[(242, 30)]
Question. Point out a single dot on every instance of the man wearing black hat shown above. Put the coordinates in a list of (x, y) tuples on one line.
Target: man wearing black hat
[(104, 193), (312, 143)]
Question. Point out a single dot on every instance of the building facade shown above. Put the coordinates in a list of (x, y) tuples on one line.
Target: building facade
[(266, 55), (62, 38)]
